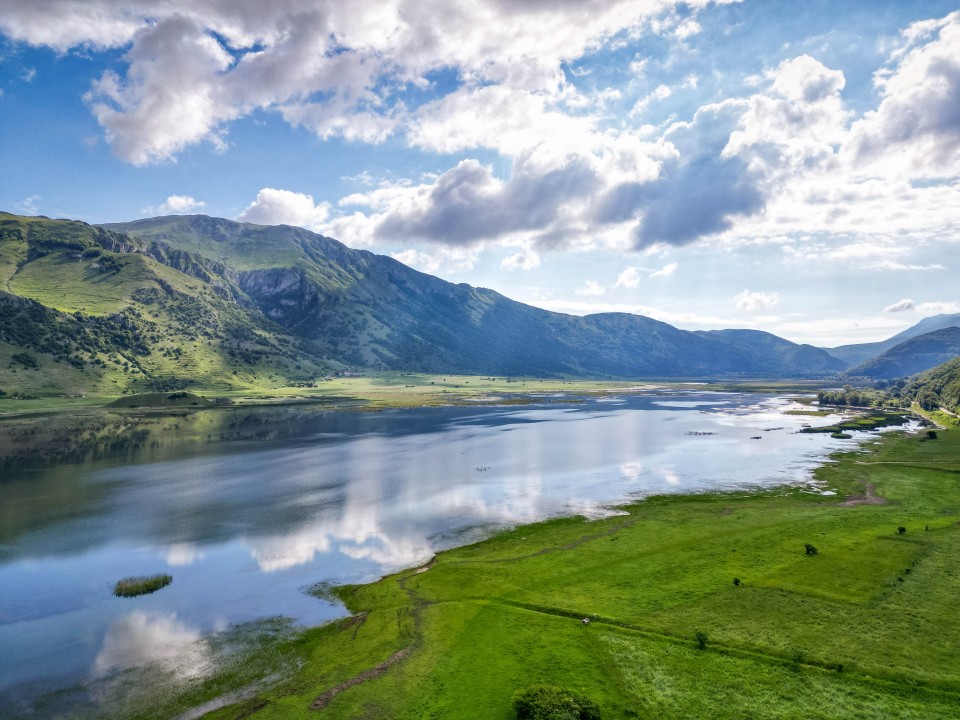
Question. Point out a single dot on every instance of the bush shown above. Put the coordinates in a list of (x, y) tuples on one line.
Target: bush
[(901, 530), (701, 637), (810, 549), (546, 702)]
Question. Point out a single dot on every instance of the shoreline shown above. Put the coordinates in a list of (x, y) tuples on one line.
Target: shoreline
[(363, 600), (734, 498)]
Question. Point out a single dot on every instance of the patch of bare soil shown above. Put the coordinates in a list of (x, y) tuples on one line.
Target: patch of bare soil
[(870, 498)]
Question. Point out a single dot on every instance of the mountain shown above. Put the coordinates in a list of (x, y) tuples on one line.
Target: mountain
[(860, 353), (172, 301), (802, 359), (937, 387), (912, 356), (371, 310)]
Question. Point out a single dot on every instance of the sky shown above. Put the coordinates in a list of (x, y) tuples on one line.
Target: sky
[(768, 164)]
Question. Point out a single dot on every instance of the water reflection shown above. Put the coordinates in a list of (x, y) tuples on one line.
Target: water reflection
[(246, 509), (139, 639)]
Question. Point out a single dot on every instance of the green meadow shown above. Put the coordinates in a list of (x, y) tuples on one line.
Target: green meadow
[(697, 606)]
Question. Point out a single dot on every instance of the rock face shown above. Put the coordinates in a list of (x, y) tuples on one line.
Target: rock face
[(283, 294)]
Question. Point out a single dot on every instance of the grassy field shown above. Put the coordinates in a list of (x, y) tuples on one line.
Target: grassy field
[(865, 628), (374, 390)]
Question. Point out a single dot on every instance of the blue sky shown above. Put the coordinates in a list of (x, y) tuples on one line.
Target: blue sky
[(790, 167)]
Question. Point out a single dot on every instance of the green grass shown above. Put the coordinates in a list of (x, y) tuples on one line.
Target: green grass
[(141, 585), (863, 629)]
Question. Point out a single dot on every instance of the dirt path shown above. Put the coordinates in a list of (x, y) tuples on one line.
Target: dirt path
[(324, 699), (870, 498), (417, 605)]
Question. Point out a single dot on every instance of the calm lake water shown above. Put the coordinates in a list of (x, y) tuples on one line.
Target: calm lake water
[(246, 509)]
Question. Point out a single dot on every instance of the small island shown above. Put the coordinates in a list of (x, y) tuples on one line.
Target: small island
[(141, 585)]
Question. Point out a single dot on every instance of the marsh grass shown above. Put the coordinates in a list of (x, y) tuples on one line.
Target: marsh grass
[(141, 585)]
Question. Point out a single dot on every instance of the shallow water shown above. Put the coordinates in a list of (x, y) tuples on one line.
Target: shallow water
[(248, 509)]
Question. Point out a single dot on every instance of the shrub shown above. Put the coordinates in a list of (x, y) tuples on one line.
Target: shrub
[(810, 549), (736, 581), (701, 637), (901, 530), (546, 702), (931, 434)]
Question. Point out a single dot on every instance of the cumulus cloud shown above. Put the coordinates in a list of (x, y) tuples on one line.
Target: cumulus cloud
[(591, 288), (524, 260), (903, 305), (441, 259), (629, 278), (467, 204), (754, 301), (175, 205), (916, 128), (337, 69), (285, 207)]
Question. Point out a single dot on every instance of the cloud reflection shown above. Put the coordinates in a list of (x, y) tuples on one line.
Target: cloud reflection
[(140, 639)]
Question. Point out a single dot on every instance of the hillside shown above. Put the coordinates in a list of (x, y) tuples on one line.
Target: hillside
[(164, 303), (860, 353), (803, 359), (371, 310), (938, 387), (911, 356), (84, 310)]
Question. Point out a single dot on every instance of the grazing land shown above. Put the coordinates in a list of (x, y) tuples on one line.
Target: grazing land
[(862, 628)]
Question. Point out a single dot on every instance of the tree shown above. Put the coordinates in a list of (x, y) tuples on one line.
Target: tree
[(546, 702)]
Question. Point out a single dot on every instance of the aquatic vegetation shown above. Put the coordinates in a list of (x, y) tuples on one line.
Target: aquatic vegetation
[(141, 585)]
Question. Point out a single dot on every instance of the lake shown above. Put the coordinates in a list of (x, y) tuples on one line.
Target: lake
[(247, 509)]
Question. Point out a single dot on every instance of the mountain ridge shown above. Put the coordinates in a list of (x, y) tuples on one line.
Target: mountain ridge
[(178, 300)]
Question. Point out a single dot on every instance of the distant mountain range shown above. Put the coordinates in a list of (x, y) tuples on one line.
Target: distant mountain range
[(856, 354), (194, 300), (911, 356)]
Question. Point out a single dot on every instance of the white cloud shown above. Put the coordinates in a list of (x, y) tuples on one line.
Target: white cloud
[(916, 128), (524, 260), (591, 288), (438, 259), (894, 265), (903, 305), (175, 205), (629, 278), (30, 205), (335, 68), (666, 271), (938, 308), (284, 207), (753, 301)]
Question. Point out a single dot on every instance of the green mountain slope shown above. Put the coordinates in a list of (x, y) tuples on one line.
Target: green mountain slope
[(912, 356), (88, 310), (168, 302), (366, 309), (937, 387)]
